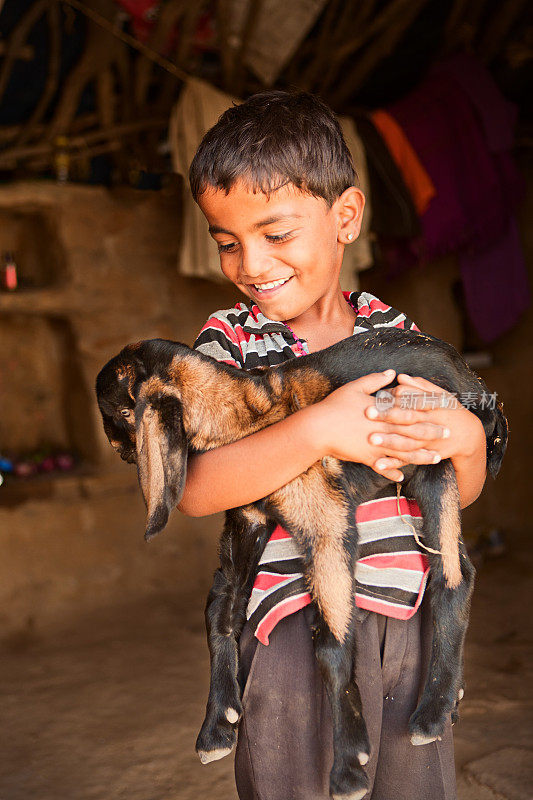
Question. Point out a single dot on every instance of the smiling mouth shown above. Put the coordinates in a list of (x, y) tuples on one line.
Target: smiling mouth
[(270, 286)]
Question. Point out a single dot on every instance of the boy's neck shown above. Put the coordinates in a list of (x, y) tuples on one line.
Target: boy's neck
[(326, 322)]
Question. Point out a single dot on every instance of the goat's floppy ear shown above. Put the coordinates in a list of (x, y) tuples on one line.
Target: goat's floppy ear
[(497, 443), (161, 457)]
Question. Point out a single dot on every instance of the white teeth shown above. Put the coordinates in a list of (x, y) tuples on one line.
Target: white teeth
[(261, 287)]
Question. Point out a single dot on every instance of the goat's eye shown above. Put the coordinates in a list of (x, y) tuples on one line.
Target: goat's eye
[(126, 412)]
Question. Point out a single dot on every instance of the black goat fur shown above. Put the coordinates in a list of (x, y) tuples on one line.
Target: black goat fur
[(160, 400)]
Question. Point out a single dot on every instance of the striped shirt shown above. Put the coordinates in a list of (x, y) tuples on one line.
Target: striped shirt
[(391, 571)]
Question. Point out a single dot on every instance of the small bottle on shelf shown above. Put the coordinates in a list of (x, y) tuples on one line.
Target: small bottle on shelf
[(9, 272)]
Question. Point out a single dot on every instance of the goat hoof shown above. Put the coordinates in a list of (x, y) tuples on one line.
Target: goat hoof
[(348, 784), (426, 725), (218, 735), (355, 795), (419, 739), (213, 755)]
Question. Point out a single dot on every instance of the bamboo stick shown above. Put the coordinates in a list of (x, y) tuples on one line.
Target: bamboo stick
[(14, 155), (52, 78)]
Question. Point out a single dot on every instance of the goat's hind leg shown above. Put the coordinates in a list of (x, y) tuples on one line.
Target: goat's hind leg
[(351, 746), (450, 590), (241, 545)]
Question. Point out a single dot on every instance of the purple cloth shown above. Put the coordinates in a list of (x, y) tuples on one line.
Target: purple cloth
[(441, 124), (496, 285), (462, 129), (496, 114)]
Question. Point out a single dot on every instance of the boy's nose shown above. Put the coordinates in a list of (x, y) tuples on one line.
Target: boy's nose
[(255, 265)]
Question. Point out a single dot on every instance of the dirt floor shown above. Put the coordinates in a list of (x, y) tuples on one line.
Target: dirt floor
[(110, 706)]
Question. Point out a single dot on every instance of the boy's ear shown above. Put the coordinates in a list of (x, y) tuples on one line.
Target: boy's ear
[(350, 206)]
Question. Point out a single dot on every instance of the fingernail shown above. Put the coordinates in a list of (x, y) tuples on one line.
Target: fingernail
[(446, 433), (372, 412), (389, 372), (402, 476), (436, 458), (382, 465), (377, 439)]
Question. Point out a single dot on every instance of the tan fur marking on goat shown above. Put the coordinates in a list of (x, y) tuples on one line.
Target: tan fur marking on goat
[(257, 398), (310, 386), (332, 466), (205, 389), (318, 518), (449, 536), (126, 372), (241, 405), (154, 385), (253, 515), (149, 460), (274, 378)]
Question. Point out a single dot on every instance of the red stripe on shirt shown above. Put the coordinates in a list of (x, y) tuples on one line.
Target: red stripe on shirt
[(279, 533), (266, 580), (413, 561), (283, 609), (386, 508)]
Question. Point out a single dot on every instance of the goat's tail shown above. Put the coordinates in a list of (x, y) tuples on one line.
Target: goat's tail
[(314, 509), (331, 584)]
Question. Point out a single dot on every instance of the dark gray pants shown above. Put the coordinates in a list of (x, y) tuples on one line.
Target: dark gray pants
[(284, 751)]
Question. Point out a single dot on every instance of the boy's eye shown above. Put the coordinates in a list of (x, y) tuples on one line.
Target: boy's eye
[(281, 237), (226, 248)]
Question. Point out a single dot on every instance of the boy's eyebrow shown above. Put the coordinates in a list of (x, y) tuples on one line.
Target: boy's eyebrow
[(276, 218), (263, 223)]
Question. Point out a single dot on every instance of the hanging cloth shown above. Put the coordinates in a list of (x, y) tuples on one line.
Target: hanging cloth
[(415, 176)]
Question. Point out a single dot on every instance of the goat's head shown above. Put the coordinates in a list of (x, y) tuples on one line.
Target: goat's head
[(142, 414)]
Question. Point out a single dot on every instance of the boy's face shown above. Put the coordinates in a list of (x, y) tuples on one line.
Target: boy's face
[(284, 252)]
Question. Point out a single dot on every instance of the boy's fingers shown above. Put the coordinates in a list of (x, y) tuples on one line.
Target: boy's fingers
[(421, 431), (420, 383), (412, 380), (397, 415), (374, 381), (420, 456), (409, 399), (390, 472)]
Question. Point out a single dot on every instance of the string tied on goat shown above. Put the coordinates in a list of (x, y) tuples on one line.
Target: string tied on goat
[(415, 534)]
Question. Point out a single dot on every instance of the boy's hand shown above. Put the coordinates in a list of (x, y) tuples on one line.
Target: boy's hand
[(353, 429), (418, 402)]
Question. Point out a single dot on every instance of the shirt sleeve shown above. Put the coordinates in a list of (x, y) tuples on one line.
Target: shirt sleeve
[(218, 339), (381, 315)]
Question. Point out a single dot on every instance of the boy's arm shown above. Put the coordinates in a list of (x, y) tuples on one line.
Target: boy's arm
[(253, 467)]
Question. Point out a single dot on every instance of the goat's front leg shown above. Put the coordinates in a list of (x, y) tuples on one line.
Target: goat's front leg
[(243, 540), (450, 589)]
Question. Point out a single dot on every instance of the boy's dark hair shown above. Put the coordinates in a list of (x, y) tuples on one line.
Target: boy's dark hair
[(272, 139)]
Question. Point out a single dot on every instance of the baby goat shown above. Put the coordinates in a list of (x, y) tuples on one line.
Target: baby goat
[(161, 400)]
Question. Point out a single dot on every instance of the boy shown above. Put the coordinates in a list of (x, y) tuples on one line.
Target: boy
[(275, 182)]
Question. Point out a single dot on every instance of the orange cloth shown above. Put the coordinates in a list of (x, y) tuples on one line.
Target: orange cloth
[(415, 176)]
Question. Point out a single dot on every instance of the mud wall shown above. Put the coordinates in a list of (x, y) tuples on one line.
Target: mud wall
[(98, 270)]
